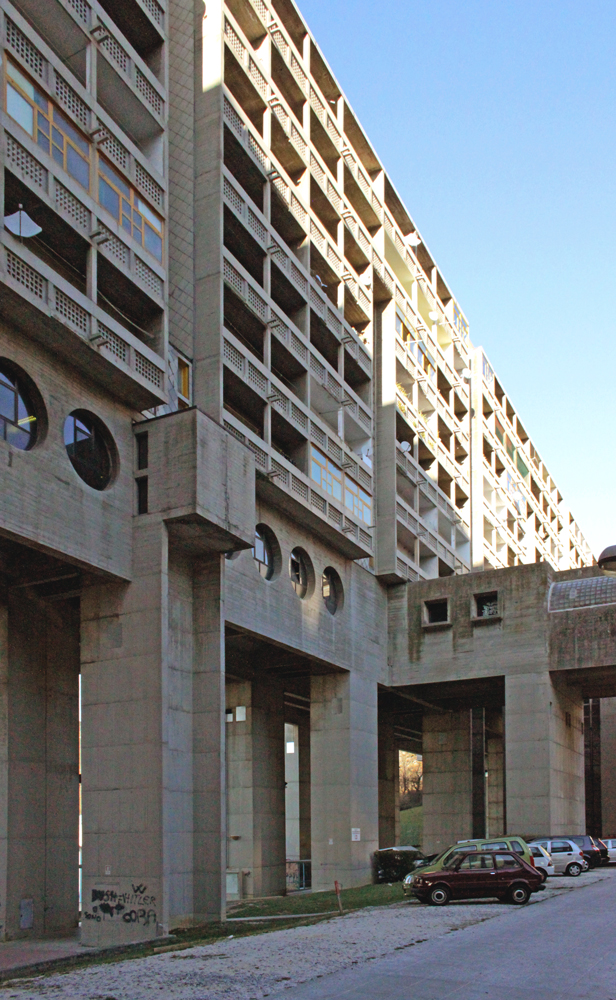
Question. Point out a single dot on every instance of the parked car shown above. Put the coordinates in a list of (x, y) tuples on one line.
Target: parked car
[(611, 850), (543, 861), (476, 875), (515, 844), (391, 864), (605, 854), (592, 852), (567, 857)]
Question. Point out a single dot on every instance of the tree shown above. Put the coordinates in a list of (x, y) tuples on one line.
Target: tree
[(411, 779)]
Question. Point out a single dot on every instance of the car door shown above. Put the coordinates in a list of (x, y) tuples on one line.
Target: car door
[(474, 877), (563, 854)]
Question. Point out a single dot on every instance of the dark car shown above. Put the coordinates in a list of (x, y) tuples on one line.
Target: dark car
[(605, 854), (391, 864), (503, 875), (589, 848)]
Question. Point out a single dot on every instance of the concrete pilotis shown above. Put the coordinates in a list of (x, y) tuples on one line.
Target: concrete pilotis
[(544, 755), (210, 831), (495, 766), (447, 798), (256, 792), (608, 772), (389, 784), (344, 778), (124, 656)]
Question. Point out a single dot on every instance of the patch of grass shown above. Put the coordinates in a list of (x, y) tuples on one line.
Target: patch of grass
[(411, 827), (319, 902)]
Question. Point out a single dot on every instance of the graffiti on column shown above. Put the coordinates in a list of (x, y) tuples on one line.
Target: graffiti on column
[(133, 907)]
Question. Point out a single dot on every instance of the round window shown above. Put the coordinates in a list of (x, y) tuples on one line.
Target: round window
[(301, 573), (331, 588), (18, 417), (266, 552), (90, 448)]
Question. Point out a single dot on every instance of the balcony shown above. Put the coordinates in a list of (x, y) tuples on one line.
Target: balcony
[(51, 310)]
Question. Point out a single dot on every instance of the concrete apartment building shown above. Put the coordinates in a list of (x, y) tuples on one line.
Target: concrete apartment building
[(246, 445)]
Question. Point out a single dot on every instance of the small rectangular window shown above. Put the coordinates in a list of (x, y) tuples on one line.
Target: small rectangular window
[(486, 605), (436, 611), (142, 451), (142, 495), (184, 381)]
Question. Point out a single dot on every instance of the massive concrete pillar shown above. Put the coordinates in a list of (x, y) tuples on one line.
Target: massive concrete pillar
[(447, 779), (608, 767), (208, 747), (389, 784), (495, 766), (256, 780), (544, 755), (152, 749), (592, 766), (344, 779), (39, 766)]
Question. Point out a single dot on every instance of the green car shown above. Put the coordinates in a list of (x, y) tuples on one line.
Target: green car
[(515, 844)]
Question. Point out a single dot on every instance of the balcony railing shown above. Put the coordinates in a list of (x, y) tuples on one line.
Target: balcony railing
[(92, 339)]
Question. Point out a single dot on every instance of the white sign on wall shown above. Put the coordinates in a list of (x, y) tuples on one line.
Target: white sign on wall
[(355, 833)]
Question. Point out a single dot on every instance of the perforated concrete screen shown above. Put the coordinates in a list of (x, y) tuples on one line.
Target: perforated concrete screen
[(588, 593)]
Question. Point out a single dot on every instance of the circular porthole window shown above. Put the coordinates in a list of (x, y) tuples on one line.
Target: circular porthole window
[(301, 573), (21, 408), (90, 448), (331, 588), (266, 552)]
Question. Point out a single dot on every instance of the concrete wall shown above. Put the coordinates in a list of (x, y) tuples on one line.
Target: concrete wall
[(64, 515)]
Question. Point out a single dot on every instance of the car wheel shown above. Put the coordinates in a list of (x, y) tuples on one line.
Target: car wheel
[(519, 894), (439, 895), (573, 869), (543, 873)]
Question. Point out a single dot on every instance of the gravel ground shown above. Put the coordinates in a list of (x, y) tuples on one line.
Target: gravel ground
[(262, 965)]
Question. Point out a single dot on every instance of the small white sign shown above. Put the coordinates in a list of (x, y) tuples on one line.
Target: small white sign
[(355, 833), (240, 713), (290, 747), (107, 869)]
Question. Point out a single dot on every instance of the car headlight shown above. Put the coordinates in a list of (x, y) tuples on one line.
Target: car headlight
[(418, 881)]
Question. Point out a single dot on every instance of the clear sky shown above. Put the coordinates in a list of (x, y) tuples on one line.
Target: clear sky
[(497, 124)]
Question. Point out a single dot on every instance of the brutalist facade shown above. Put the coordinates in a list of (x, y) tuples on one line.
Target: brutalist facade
[(237, 413)]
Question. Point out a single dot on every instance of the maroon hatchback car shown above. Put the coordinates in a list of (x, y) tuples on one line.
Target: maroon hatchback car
[(478, 876)]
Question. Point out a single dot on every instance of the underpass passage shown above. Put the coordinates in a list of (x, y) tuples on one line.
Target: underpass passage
[(39, 791), (400, 729), (329, 814)]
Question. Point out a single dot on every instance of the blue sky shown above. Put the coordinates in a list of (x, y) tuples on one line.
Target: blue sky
[(496, 122)]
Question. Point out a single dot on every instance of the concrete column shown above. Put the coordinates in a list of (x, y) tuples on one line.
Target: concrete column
[(305, 845), (592, 766), (124, 688), (495, 764), (389, 784), (544, 756), (447, 799), (256, 793), (344, 779), (39, 766), (4, 761), (478, 770), (210, 830), (608, 770)]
